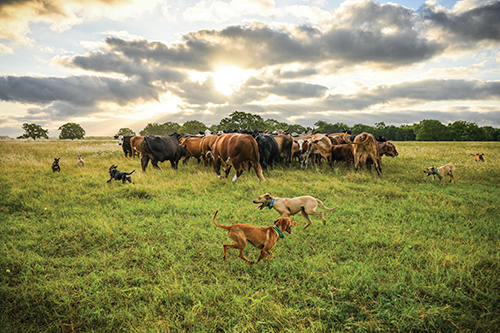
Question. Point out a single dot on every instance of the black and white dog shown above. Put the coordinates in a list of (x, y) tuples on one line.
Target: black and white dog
[(55, 165), (118, 175)]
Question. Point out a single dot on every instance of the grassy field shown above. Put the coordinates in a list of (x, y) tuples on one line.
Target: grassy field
[(402, 253)]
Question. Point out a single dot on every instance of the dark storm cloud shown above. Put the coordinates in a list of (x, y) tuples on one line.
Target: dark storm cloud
[(77, 90), (476, 24)]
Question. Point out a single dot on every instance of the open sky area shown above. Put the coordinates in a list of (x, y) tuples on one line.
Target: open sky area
[(108, 64)]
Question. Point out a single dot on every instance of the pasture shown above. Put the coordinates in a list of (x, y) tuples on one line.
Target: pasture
[(401, 253)]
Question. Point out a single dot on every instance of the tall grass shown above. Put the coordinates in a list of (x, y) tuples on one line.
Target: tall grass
[(401, 253)]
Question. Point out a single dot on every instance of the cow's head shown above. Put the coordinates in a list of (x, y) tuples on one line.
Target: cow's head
[(388, 148), (120, 139)]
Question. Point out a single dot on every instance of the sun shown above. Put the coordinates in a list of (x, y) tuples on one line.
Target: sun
[(229, 78)]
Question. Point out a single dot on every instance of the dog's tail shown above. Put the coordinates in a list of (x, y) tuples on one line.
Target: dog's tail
[(131, 172), (323, 205), (217, 224)]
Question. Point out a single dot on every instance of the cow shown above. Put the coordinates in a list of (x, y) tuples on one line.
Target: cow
[(321, 145), (342, 154), (135, 145), (387, 148), (285, 142), (238, 150), (124, 141), (269, 150), (193, 146), (206, 148), (160, 149), (300, 148), (366, 146)]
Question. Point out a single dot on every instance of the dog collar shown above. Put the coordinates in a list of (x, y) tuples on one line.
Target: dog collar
[(270, 205), (278, 231), (436, 171)]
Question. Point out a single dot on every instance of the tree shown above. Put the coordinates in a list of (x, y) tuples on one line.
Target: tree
[(239, 119), (154, 129), (125, 132), (324, 127), (193, 126), (71, 131), (34, 131), (431, 130), (171, 127), (360, 128)]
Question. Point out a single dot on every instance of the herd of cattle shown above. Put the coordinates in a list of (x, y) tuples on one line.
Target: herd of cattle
[(259, 150)]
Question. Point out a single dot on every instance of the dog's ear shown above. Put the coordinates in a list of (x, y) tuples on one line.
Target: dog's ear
[(267, 195)]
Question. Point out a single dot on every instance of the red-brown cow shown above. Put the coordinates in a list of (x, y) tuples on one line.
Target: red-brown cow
[(206, 148), (342, 154), (236, 150), (285, 142), (364, 147), (193, 146), (135, 145)]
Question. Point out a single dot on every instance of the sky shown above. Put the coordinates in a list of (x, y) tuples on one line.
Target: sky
[(111, 64)]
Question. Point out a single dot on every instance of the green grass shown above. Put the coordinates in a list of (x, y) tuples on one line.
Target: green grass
[(402, 253)]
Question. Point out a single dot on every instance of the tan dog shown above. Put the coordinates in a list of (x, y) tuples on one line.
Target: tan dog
[(291, 206), (262, 238), (478, 157), (441, 172), (80, 161)]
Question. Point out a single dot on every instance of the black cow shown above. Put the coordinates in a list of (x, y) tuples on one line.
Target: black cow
[(269, 150), (160, 149)]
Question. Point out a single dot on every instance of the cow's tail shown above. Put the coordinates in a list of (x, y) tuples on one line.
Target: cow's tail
[(323, 205), (217, 224), (362, 142), (147, 142), (257, 166)]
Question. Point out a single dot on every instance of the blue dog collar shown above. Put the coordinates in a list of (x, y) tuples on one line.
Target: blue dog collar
[(271, 203)]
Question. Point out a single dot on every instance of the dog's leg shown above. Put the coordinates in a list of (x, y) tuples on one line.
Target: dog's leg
[(306, 217)]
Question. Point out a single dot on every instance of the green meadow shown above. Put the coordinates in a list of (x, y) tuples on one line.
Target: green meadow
[(400, 254)]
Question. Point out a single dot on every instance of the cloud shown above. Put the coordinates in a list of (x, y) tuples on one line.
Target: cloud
[(76, 90), (60, 15), (469, 22)]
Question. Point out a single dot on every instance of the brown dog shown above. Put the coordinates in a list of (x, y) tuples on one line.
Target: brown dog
[(262, 238), (441, 172), (478, 157), (291, 206)]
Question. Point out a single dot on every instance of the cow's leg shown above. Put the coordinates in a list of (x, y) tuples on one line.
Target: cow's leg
[(174, 164), (144, 162), (239, 171)]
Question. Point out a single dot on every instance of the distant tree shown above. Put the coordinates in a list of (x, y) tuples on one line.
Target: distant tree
[(464, 131), (360, 128), (71, 131), (193, 127), (125, 132), (239, 119), (296, 128), (154, 129), (405, 133), (431, 130), (171, 127), (273, 125), (325, 127), (491, 134), (34, 131)]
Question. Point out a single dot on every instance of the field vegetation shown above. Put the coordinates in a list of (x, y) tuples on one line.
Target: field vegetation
[(401, 253)]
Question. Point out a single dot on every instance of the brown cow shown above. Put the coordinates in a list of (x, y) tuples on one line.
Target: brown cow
[(300, 148), (342, 153), (387, 148), (322, 146), (285, 142), (365, 146), (238, 150), (206, 148), (135, 145), (193, 146)]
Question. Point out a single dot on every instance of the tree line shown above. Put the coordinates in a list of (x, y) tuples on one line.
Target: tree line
[(425, 130)]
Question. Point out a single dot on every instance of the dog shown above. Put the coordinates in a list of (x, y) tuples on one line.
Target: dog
[(118, 175), (478, 157), (441, 172), (80, 161), (291, 206), (262, 238), (55, 165)]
